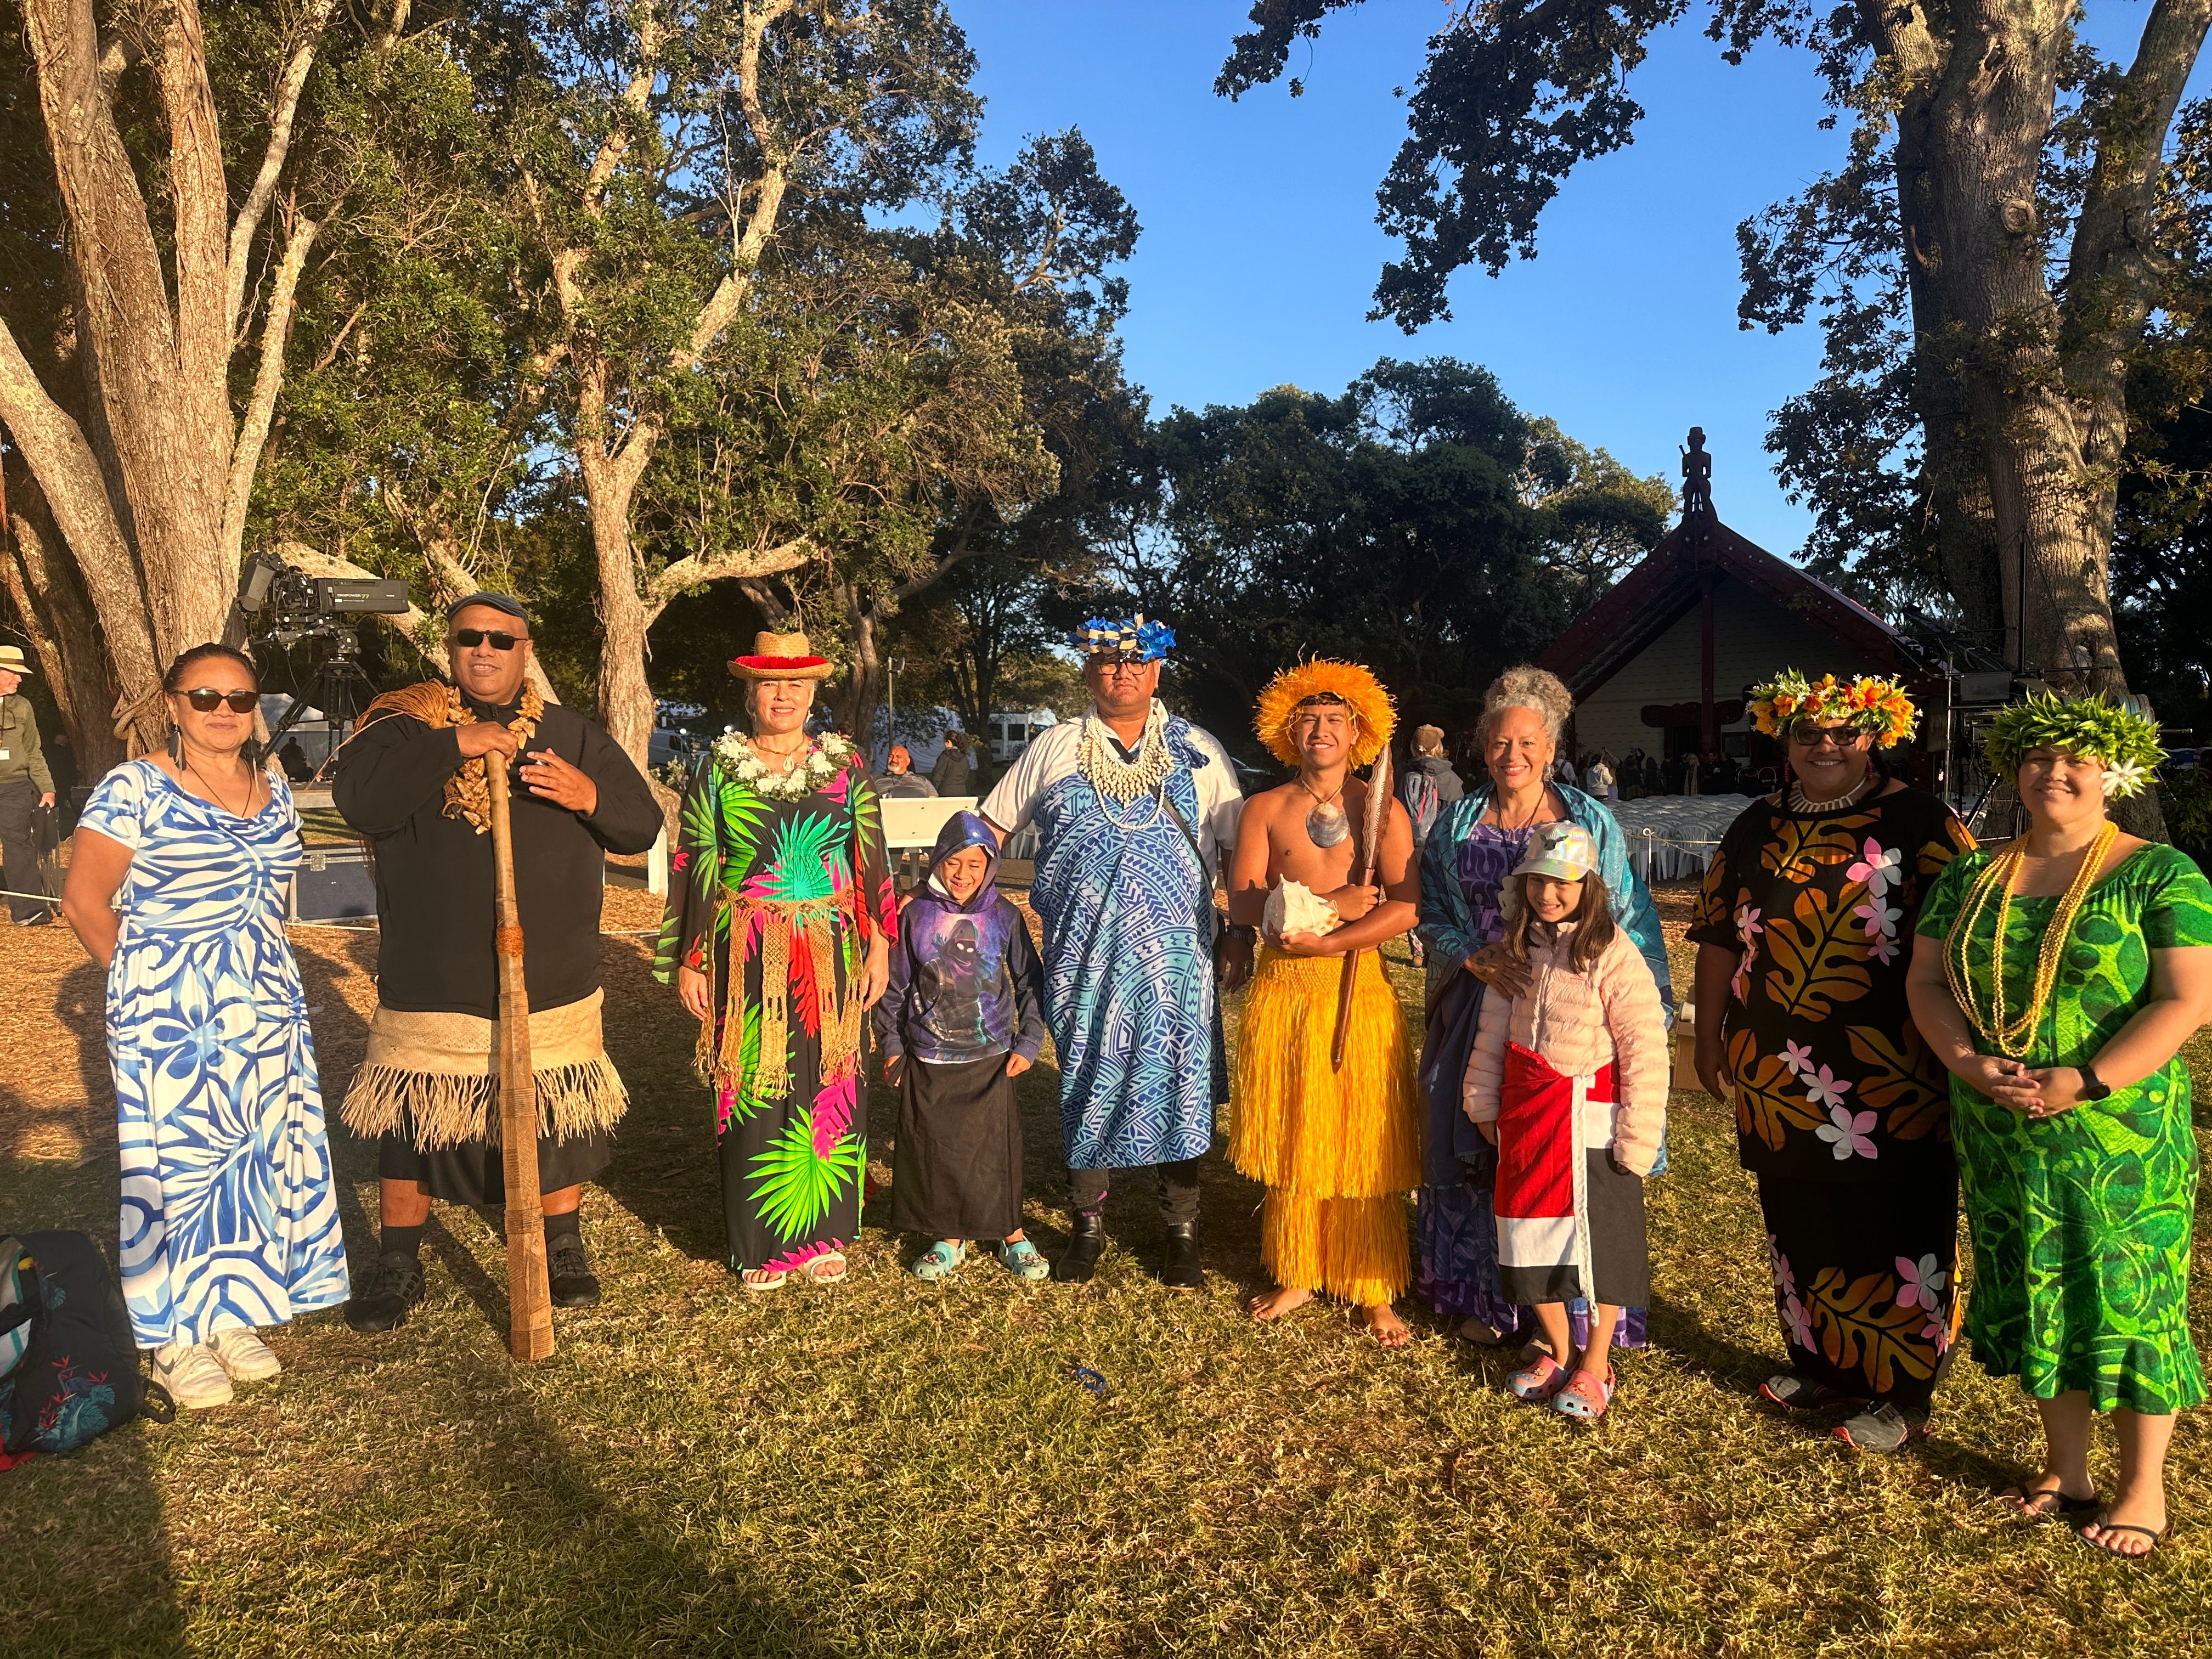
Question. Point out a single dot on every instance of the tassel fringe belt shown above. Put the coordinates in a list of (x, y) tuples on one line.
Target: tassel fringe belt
[(436, 1077), (777, 929)]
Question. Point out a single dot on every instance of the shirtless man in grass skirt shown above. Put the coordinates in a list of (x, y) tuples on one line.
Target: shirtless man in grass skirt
[(413, 780)]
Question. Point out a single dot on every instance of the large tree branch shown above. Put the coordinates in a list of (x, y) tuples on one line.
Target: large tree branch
[(200, 195), (283, 110), (2113, 266), (636, 99), (54, 446), (267, 381), (746, 567)]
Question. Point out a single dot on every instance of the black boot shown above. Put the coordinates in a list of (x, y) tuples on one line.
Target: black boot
[(392, 1289), (568, 1272), (1081, 1260), (1181, 1271)]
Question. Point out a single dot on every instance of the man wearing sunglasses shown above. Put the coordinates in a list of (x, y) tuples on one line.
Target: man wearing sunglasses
[(413, 780)]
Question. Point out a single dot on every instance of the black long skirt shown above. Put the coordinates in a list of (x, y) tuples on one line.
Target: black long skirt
[(1866, 1279), (958, 1171)]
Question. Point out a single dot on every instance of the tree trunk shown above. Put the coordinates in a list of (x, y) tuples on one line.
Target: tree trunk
[(43, 584), (855, 707), (625, 695), (157, 379), (136, 482)]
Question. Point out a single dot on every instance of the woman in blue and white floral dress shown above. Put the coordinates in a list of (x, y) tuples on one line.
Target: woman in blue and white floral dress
[(229, 1219)]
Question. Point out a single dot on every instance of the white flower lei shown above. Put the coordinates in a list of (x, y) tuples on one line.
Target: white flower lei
[(826, 757), (1123, 781)]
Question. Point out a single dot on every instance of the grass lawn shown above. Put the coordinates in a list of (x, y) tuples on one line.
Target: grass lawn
[(899, 1470)]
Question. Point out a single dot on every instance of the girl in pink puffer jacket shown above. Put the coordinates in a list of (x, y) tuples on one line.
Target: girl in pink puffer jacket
[(1568, 1081)]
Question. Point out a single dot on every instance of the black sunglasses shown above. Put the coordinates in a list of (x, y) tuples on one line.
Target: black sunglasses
[(207, 699), (1808, 736), (468, 637)]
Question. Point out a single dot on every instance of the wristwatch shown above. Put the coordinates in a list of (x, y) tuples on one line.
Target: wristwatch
[(2093, 1086)]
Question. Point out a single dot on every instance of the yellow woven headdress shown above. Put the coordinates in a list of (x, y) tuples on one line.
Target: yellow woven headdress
[(1369, 704)]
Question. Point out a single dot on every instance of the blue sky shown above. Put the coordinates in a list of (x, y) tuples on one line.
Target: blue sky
[(1260, 248)]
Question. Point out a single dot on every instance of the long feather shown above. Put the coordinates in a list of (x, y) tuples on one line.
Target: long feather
[(1370, 847)]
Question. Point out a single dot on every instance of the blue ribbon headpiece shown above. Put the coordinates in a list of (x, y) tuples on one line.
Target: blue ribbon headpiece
[(1137, 639)]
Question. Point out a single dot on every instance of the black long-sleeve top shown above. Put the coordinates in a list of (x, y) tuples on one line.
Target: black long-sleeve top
[(433, 874)]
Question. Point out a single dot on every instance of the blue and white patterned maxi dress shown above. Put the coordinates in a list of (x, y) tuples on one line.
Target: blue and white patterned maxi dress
[(1129, 968), (229, 1219)]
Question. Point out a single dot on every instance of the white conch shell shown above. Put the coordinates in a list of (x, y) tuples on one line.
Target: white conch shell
[(1294, 907)]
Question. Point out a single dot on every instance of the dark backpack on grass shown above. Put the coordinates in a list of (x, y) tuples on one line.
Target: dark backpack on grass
[(78, 1376)]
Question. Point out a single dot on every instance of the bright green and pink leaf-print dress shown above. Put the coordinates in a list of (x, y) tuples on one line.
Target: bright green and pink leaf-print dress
[(775, 900)]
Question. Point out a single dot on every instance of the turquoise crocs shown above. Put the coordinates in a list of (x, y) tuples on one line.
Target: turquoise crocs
[(1023, 1259), (940, 1260)]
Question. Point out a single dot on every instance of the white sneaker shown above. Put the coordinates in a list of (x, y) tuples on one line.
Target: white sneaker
[(243, 1354), (191, 1375)]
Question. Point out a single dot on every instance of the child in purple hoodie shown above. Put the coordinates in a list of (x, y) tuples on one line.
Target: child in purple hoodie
[(963, 1018)]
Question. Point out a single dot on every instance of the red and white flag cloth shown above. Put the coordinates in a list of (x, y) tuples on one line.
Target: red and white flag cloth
[(1548, 1124)]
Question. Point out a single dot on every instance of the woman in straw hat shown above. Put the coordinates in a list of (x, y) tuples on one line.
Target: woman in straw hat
[(778, 939)]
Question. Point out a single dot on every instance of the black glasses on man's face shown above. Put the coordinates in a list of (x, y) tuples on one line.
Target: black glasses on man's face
[(469, 638), (206, 699)]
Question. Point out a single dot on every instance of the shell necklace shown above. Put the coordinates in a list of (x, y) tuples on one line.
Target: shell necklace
[(2014, 1037), (1326, 823), (1115, 779), (1801, 802)]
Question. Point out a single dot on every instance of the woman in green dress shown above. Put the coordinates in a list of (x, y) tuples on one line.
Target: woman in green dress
[(2057, 977)]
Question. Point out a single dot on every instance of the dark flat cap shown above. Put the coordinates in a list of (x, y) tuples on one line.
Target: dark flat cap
[(503, 603)]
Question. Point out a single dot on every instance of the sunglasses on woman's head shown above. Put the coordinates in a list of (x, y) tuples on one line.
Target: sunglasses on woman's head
[(469, 638), (207, 698)]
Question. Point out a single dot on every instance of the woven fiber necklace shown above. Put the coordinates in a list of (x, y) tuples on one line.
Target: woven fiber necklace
[(2014, 1037)]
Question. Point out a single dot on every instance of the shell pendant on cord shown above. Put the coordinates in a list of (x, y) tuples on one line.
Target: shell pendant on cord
[(1327, 824)]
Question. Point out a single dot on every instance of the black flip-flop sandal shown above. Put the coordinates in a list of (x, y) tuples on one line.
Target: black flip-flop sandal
[(2034, 1508), (2103, 1525)]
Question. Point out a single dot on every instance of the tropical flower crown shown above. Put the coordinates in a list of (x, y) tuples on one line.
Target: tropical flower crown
[(1346, 682), (2125, 740), (1874, 705)]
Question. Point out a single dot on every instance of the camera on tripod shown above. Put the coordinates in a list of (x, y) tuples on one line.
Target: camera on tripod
[(298, 606), (283, 605)]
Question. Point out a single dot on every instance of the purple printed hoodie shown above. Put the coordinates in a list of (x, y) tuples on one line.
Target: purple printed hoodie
[(966, 983)]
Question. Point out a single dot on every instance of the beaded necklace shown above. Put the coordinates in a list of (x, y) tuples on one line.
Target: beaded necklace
[(2014, 1037)]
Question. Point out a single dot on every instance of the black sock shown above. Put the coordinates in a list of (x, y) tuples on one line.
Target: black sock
[(570, 1226), (405, 1240)]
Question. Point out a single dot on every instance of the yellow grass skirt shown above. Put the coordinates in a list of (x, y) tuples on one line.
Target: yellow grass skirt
[(1337, 1150)]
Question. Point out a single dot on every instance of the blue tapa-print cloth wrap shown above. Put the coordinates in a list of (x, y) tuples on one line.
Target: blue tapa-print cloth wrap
[(1447, 927)]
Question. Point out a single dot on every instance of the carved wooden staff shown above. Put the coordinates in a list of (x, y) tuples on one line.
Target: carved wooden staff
[(529, 1297), (1371, 821)]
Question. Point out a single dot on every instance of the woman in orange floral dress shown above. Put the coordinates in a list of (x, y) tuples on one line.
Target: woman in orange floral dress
[(1803, 933)]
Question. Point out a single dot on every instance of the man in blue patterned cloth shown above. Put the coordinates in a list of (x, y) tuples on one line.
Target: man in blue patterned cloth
[(1135, 809)]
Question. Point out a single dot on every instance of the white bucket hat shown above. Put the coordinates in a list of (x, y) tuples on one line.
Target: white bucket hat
[(1565, 851)]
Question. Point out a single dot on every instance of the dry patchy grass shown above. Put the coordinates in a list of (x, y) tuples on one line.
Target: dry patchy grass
[(898, 1469)]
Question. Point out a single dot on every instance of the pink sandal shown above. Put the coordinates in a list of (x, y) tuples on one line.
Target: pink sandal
[(1585, 1395), (1537, 1381)]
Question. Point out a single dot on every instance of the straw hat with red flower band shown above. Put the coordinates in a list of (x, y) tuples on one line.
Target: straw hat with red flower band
[(1869, 704), (781, 657)]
